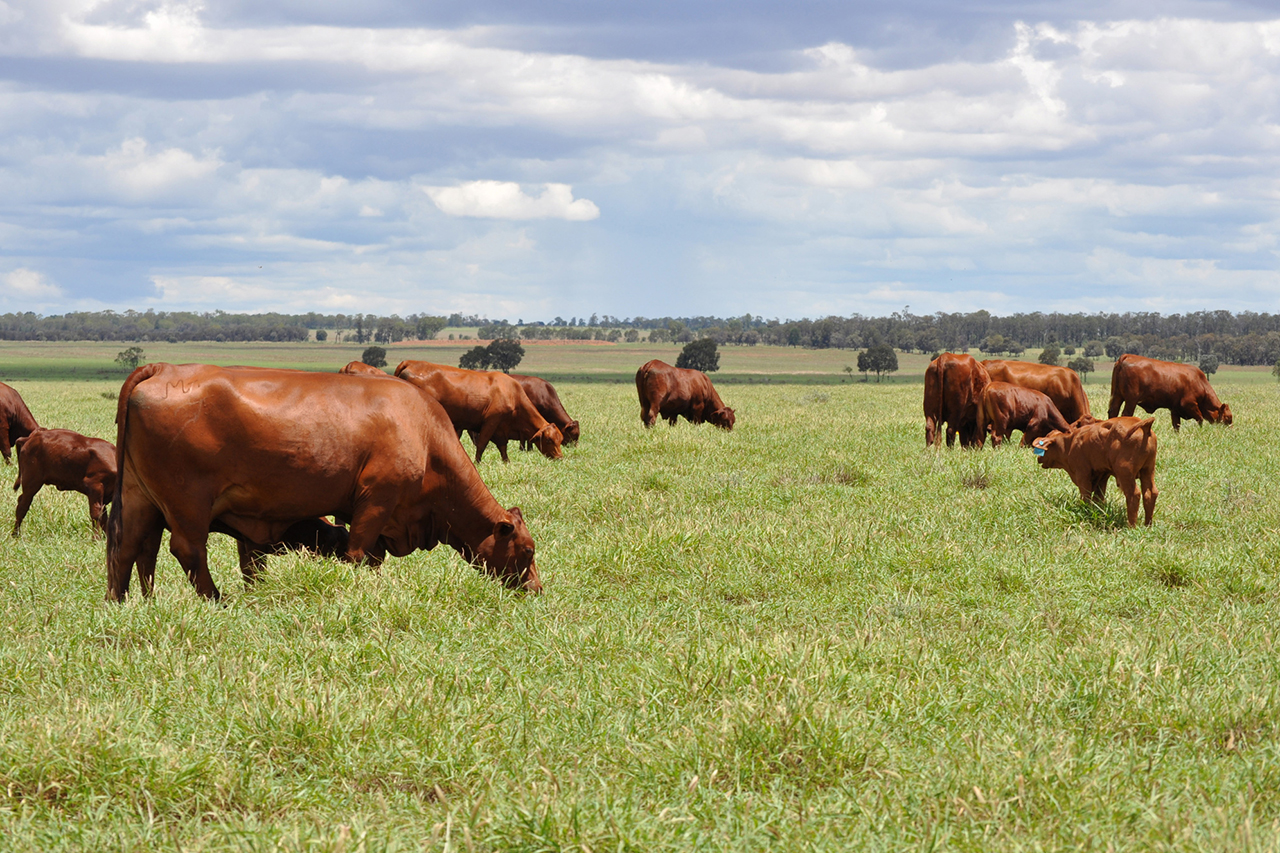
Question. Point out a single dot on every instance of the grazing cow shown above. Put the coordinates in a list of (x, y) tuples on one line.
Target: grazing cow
[(253, 451), (15, 420), (1124, 448), (1005, 407), (358, 367), (670, 392), (491, 406), (70, 462), (1152, 384), (953, 385), (316, 535), (1060, 384), (545, 399)]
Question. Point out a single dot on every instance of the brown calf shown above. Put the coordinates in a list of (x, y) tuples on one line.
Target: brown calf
[(70, 462), (1004, 407), (1124, 448)]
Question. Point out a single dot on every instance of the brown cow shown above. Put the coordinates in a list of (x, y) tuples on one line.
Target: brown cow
[(15, 420), (953, 385), (545, 399), (359, 367), (670, 392), (253, 451), (490, 405), (1060, 384), (1152, 384), (1005, 407), (70, 462), (1124, 448)]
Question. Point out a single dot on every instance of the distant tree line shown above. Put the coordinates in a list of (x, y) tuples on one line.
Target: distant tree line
[(1243, 338), (174, 326)]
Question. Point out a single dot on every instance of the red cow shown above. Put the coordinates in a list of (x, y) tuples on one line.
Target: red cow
[(1004, 408), (1152, 384), (70, 462), (253, 451), (953, 385), (670, 392), (1060, 384), (545, 399), (1124, 448), (359, 367), (15, 420), (490, 405)]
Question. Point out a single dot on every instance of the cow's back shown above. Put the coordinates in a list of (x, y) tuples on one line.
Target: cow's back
[(238, 434)]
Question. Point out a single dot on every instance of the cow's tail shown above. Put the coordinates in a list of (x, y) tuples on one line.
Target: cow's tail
[(1117, 391), (115, 521)]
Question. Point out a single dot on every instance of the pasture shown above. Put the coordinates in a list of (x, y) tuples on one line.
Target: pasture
[(810, 633)]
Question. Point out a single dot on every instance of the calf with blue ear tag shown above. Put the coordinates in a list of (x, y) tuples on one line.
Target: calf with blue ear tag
[(1124, 448)]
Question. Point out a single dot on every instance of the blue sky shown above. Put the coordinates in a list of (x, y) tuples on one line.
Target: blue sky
[(523, 160)]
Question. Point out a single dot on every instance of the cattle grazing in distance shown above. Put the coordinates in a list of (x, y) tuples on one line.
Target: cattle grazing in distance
[(1124, 448), (1183, 389), (671, 392), (1005, 407), (70, 462), (359, 367), (1059, 384), (316, 535), (16, 420), (253, 451), (953, 386), (545, 399), (491, 406)]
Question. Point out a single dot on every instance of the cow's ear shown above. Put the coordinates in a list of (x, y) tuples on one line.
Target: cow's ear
[(504, 528)]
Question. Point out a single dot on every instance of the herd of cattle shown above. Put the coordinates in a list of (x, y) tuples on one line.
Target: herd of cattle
[(267, 455), (1048, 404)]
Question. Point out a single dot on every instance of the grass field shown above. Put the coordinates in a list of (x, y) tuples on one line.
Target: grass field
[(810, 633)]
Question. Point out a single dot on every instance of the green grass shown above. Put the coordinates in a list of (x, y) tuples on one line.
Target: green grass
[(810, 633)]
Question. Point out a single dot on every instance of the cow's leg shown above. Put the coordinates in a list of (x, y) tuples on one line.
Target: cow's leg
[(189, 543), (951, 435), (1129, 409), (4, 442), (1177, 421), (367, 523), (1129, 487), (24, 504), (140, 528), (502, 449), (486, 435), (1113, 407), (1149, 494), (147, 555), (252, 560)]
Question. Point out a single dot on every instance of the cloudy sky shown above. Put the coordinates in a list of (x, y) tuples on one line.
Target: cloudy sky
[(521, 159)]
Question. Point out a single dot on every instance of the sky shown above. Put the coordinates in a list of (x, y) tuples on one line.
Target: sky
[(521, 160)]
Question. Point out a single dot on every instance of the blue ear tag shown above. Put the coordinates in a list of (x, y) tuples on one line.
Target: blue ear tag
[(1038, 451)]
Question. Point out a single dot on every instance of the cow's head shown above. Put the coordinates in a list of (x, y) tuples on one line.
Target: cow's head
[(571, 432), (723, 418), (1051, 451), (507, 553), (548, 440), (1222, 416), (1084, 420)]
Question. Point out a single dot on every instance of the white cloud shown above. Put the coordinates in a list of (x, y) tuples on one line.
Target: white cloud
[(506, 200), (30, 285)]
